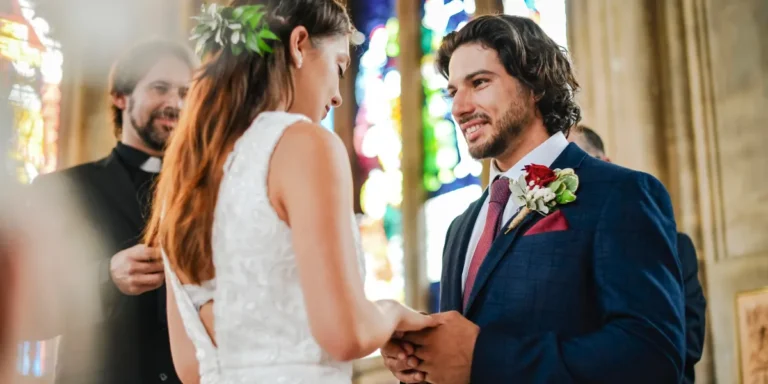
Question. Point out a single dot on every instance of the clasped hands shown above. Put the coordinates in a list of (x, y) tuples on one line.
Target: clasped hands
[(436, 355)]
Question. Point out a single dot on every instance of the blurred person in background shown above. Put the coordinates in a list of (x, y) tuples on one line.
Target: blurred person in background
[(147, 86), (695, 303), (589, 141), (46, 270)]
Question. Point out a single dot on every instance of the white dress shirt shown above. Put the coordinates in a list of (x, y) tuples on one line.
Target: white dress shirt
[(544, 154)]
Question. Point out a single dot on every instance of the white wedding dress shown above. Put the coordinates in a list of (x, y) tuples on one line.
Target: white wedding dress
[(260, 320)]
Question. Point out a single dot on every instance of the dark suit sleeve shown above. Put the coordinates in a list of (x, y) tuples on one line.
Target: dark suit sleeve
[(444, 277), (695, 306), (639, 290)]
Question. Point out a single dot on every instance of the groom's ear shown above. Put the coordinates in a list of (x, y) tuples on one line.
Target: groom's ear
[(119, 100)]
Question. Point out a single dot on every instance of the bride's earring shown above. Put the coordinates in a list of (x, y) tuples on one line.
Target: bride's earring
[(299, 61)]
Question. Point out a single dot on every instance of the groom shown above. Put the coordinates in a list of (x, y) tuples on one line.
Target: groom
[(587, 293)]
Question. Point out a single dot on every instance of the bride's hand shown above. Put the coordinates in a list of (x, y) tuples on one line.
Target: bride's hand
[(409, 320), (414, 321)]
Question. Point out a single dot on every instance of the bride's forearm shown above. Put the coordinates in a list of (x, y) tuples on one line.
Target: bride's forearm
[(377, 326), (351, 327)]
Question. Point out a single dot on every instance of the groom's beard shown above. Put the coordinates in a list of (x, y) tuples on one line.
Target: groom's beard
[(505, 132)]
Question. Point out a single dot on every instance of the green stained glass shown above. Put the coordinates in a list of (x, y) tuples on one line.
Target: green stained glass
[(393, 222), (426, 40)]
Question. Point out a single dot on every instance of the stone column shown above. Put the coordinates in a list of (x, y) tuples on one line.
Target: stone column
[(414, 195)]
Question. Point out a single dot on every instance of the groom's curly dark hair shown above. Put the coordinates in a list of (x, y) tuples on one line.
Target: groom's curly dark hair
[(530, 56)]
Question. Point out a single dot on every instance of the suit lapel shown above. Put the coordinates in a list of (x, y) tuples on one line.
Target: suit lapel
[(571, 157), (115, 185), (451, 294)]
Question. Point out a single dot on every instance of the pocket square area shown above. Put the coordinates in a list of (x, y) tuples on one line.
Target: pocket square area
[(553, 222)]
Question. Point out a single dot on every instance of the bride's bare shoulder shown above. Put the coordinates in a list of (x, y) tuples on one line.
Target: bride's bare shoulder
[(308, 145), (311, 135)]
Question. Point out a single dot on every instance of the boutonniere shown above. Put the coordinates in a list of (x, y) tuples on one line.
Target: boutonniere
[(540, 189)]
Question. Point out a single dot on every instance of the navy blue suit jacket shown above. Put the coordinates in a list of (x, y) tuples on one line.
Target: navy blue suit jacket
[(600, 302), (695, 306)]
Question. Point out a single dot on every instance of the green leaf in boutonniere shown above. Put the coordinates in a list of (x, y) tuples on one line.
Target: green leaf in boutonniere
[(565, 197), (571, 182), (557, 186)]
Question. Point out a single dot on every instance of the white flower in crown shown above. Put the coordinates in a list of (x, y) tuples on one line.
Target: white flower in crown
[(540, 189)]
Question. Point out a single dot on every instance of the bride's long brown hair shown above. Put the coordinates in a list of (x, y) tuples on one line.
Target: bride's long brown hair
[(226, 95)]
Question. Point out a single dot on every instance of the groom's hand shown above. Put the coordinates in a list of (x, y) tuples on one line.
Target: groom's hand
[(399, 359), (446, 351)]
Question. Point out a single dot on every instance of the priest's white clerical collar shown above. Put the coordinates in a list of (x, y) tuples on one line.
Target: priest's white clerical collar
[(152, 165)]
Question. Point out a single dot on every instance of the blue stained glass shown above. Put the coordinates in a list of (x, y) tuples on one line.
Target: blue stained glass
[(328, 121), (26, 361), (370, 14), (37, 367)]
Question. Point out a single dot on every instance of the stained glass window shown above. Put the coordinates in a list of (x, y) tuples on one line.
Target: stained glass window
[(35, 71), (451, 176), (32, 71), (549, 14), (378, 146)]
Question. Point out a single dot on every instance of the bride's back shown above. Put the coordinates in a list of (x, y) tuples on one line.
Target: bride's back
[(260, 317)]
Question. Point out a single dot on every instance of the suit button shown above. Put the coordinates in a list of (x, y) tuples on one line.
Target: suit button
[(163, 377)]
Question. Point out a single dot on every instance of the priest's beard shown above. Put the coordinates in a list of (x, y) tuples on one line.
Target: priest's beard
[(155, 136)]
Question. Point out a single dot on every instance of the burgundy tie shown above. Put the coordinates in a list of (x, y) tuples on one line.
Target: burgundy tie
[(498, 200)]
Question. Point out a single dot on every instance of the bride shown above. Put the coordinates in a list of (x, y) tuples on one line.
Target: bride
[(254, 207)]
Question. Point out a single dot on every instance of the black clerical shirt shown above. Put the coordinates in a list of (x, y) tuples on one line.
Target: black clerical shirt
[(132, 160)]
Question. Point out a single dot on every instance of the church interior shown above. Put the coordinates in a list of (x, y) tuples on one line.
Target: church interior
[(676, 88)]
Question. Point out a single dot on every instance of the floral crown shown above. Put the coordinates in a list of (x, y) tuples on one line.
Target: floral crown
[(242, 28)]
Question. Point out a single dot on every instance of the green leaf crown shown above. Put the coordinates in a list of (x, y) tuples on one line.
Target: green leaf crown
[(242, 28)]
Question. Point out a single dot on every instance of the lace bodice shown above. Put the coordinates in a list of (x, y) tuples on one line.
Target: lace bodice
[(260, 320)]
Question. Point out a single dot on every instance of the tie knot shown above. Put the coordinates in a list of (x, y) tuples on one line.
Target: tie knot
[(500, 191)]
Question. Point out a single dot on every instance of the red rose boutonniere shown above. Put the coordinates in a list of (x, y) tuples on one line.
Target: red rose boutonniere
[(540, 189), (539, 175)]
